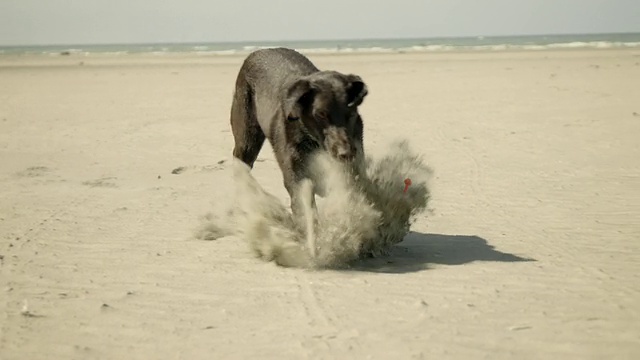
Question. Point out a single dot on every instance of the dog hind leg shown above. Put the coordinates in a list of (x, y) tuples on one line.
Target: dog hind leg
[(247, 134)]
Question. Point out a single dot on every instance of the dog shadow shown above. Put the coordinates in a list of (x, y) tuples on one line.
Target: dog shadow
[(418, 250)]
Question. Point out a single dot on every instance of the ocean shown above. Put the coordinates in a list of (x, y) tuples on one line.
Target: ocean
[(489, 43)]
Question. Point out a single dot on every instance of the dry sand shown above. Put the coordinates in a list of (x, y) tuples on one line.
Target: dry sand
[(532, 251)]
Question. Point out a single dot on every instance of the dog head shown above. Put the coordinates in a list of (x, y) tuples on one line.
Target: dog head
[(326, 103)]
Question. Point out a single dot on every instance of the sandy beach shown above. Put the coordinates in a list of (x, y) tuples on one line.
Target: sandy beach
[(532, 250)]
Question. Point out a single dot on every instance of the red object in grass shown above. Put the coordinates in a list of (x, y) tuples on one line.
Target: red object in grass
[(407, 183)]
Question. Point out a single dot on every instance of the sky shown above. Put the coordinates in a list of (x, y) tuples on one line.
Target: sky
[(59, 22)]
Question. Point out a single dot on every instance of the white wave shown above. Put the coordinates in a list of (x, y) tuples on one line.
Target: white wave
[(418, 48), (593, 44), (112, 53), (429, 48)]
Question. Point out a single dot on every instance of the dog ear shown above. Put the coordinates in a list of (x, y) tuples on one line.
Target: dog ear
[(299, 98), (356, 91)]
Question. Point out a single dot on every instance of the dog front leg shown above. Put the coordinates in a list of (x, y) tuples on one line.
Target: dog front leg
[(303, 207), (309, 214)]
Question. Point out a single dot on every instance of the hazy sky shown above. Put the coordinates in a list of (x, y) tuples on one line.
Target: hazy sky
[(135, 21)]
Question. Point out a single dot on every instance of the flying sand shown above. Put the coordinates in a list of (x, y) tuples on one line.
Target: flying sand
[(359, 217)]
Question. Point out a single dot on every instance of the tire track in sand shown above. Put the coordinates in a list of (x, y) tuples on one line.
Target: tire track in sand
[(310, 303), (328, 332)]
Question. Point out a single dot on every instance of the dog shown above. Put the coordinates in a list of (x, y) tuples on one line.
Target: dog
[(280, 95)]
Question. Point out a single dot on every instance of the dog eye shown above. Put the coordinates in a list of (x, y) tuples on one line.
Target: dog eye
[(322, 115)]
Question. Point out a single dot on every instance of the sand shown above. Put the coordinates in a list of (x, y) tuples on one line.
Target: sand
[(532, 249), (363, 209)]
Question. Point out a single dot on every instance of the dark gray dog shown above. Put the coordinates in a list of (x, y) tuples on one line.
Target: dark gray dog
[(280, 95)]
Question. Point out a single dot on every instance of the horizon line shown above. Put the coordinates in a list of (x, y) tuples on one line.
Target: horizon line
[(318, 40)]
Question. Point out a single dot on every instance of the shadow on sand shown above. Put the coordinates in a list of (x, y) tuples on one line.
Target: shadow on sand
[(418, 250)]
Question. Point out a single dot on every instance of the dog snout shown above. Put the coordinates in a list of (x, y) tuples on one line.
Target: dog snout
[(339, 145)]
